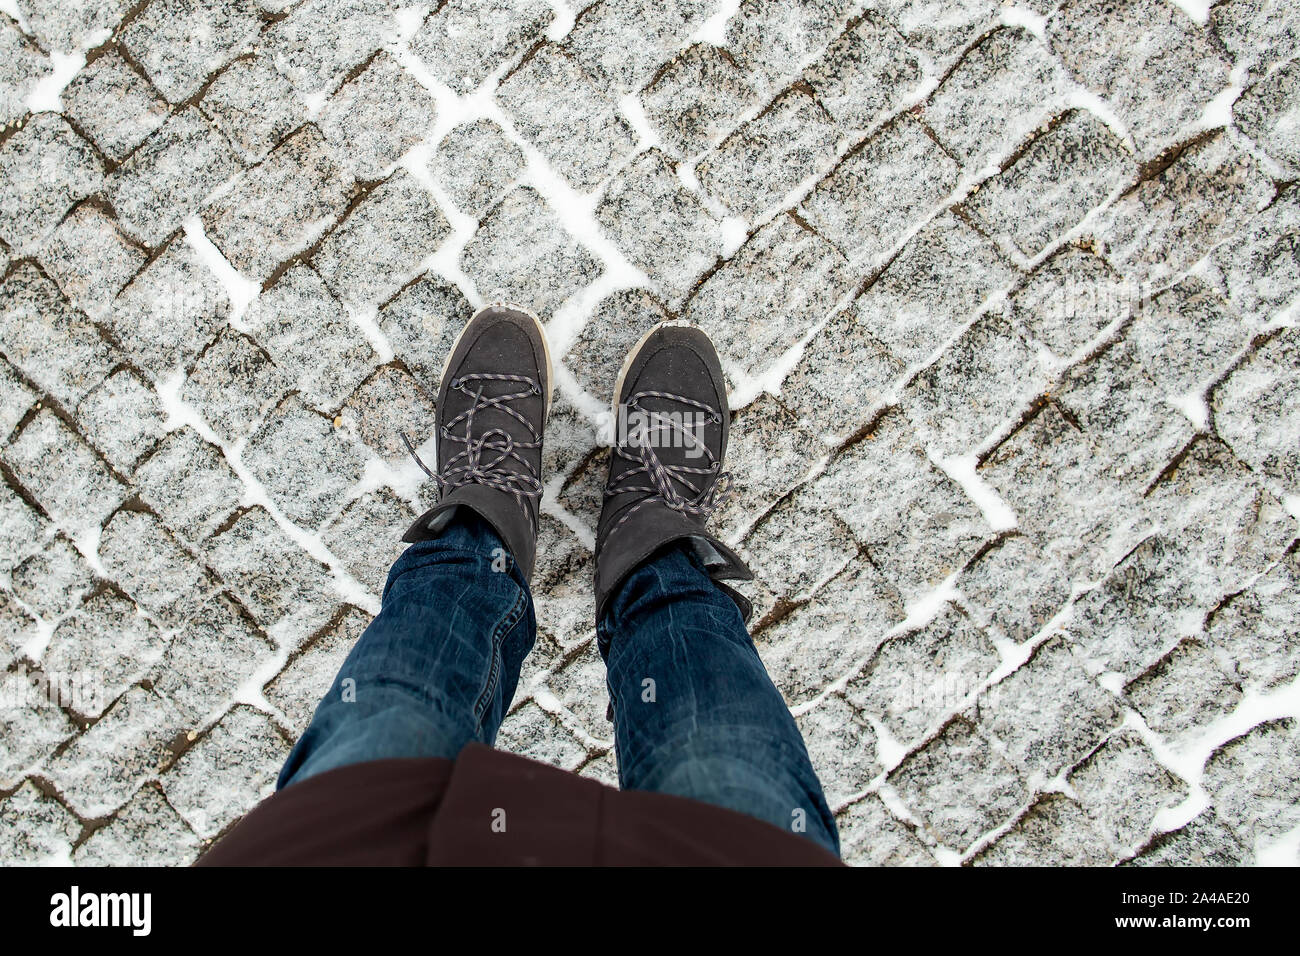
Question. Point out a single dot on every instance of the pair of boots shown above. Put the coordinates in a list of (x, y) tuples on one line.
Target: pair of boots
[(665, 470)]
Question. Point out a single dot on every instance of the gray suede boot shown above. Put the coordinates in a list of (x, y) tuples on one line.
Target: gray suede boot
[(665, 469), (492, 406)]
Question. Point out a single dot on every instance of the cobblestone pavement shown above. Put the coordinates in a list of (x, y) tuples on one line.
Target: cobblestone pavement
[(1005, 292)]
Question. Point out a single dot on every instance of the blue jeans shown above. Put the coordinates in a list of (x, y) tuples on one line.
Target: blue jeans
[(695, 713)]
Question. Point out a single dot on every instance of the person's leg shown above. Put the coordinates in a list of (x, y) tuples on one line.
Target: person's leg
[(695, 713), (437, 667)]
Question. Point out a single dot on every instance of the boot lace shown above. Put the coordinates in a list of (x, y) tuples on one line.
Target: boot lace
[(696, 490), (491, 458)]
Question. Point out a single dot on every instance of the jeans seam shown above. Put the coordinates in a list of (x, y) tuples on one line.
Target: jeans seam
[(494, 672)]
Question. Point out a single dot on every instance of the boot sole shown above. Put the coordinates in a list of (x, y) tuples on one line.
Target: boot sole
[(631, 357), (541, 331)]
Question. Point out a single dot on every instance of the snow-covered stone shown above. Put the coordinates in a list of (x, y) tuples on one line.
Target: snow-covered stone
[(421, 322), (1058, 179), (22, 529), (1050, 712), (464, 42), (105, 766), (289, 592), (244, 752), (837, 628), (942, 33), (780, 285), (371, 254), (869, 203), (124, 419), (61, 472), (662, 227), (767, 454), (180, 43), (475, 163), (318, 41), (52, 343), (62, 25), (754, 168), (157, 571), (22, 67), (522, 253), (54, 580), (1257, 267), (253, 105), (1254, 781), (624, 42), (314, 482), (1164, 225), (877, 487), (959, 785), (1003, 89), (772, 39), (385, 406), (374, 118), (1184, 691), (234, 383), (871, 836), (367, 536), (1070, 299), (1179, 63), (114, 105), (695, 98), (170, 311), (209, 658), (616, 325), (108, 644), (567, 114), (913, 680), (90, 259), (985, 378), (865, 73), (1053, 832), (1269, 113), (170, 175), (44, 168), (841, 747), (147, 832), (40, 829), (931, 289), (1256, 629), (1256, 414), (278, 207), (190, 484), (1258, 33), (798, 546), (1122, 788), (298, 688), (1206, 841), (530, 732)]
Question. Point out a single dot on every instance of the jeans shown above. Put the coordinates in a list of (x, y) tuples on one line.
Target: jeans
[(695, 713)]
